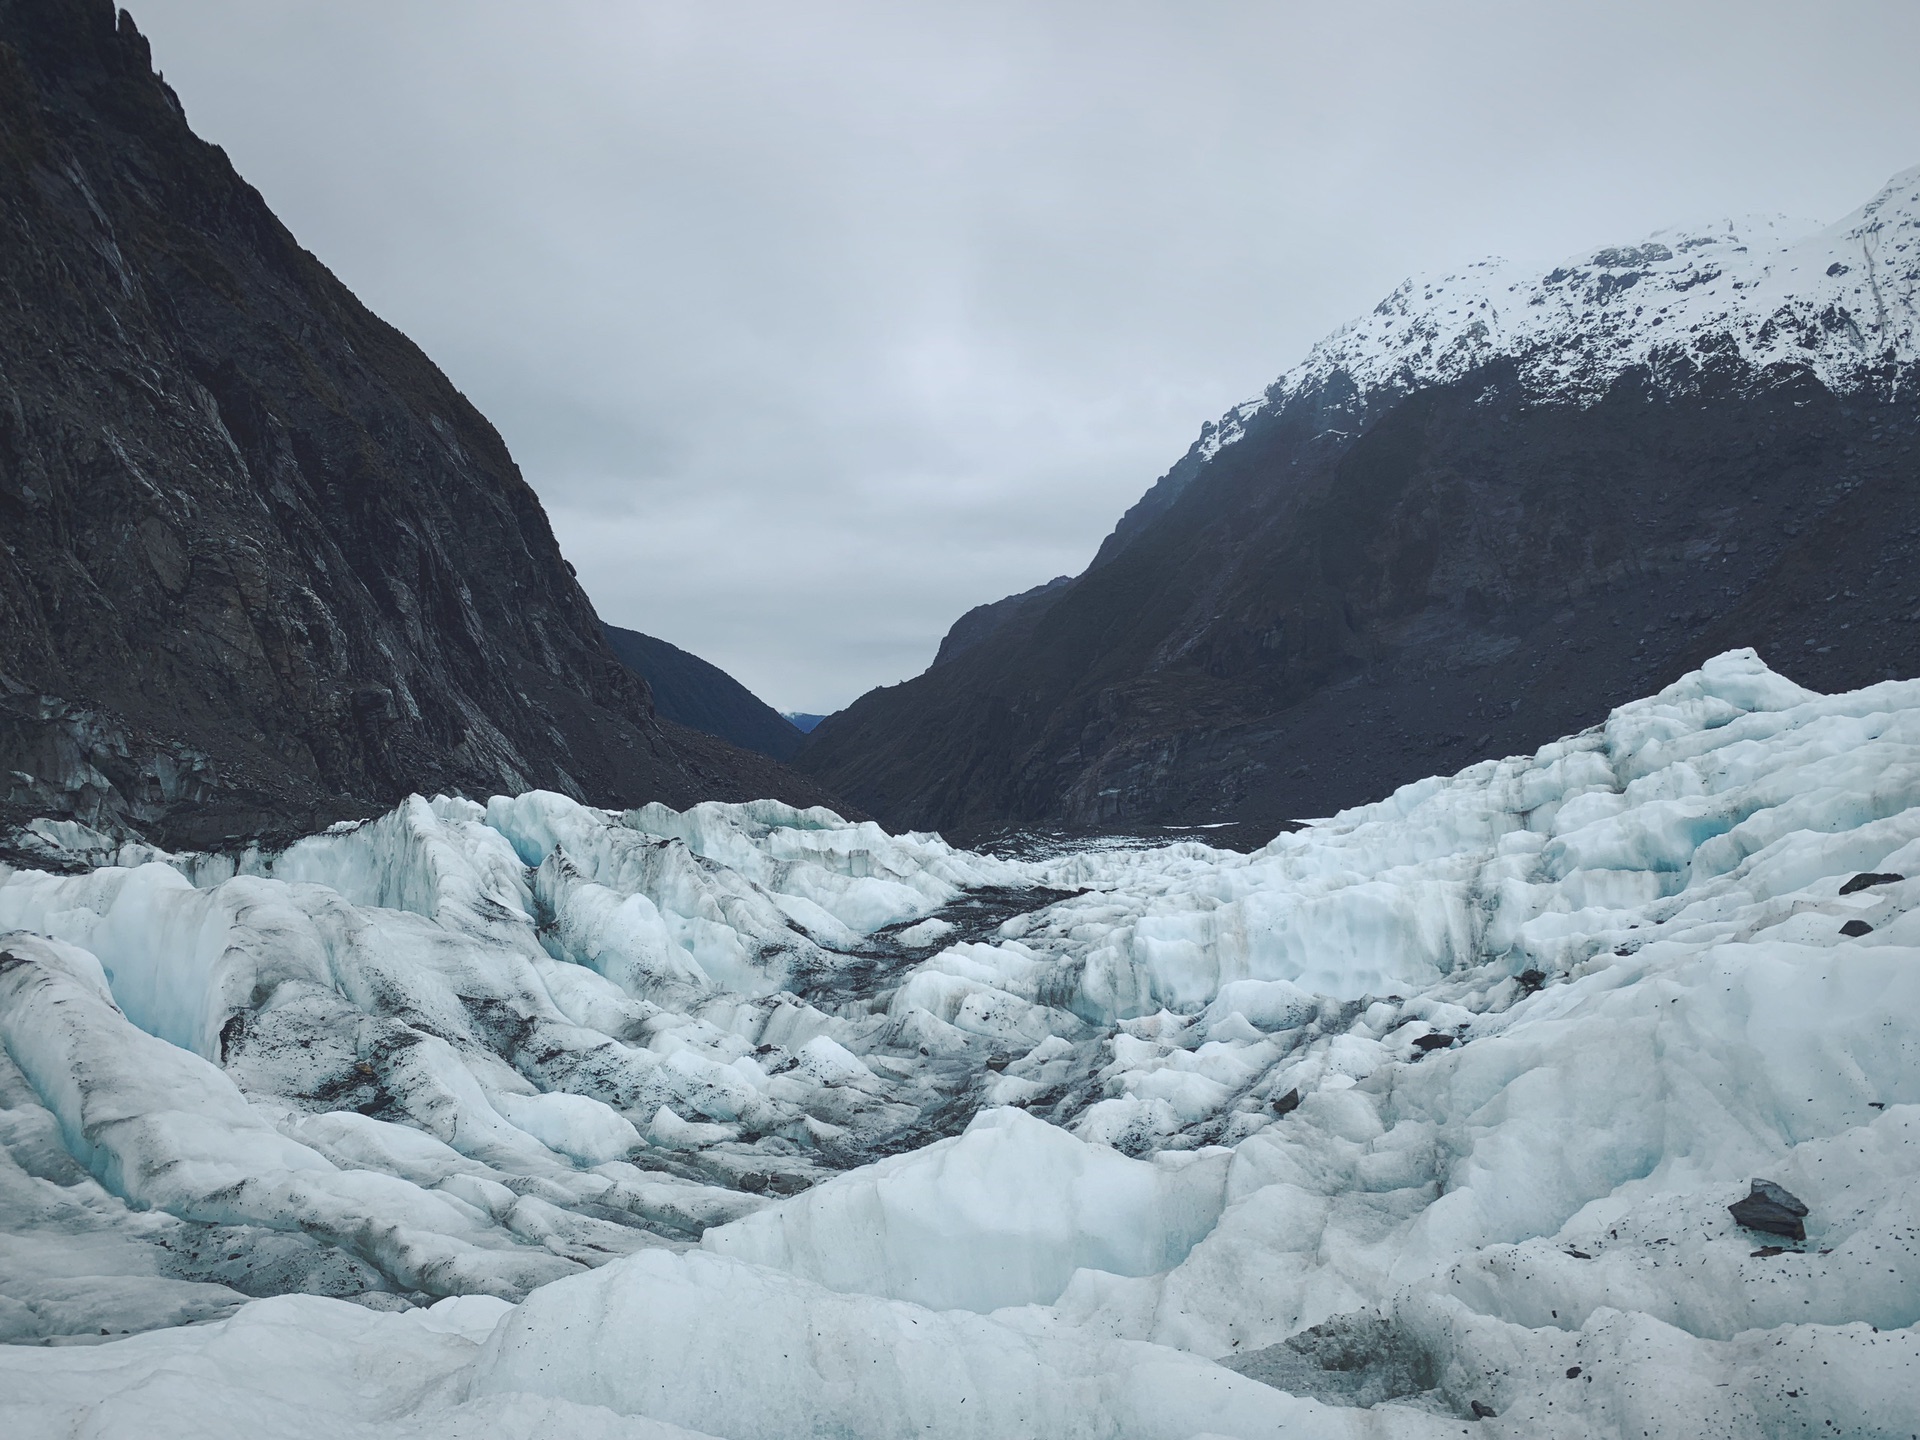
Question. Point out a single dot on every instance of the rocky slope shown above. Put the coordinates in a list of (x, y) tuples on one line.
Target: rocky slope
[(691, 691), (1480, 516), (261, 564)]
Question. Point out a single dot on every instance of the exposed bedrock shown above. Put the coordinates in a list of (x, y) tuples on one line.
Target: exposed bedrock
[(1318, 619), (261, 564)]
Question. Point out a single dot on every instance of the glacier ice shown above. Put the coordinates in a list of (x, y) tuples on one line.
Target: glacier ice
[(523, 1117), (1002, 1214)]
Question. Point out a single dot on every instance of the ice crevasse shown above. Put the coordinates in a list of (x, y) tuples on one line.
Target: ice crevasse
[(743, 1121)]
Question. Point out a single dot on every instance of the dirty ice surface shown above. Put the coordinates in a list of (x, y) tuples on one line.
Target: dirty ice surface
[(531, 1119)]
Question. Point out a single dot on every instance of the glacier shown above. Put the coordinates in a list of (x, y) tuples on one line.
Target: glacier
[(527, 1118)]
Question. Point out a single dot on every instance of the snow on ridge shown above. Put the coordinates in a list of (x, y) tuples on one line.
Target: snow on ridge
[(1844, 301)]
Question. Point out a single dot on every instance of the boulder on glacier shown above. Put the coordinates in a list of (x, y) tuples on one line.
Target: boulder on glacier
[(1771, 1208)]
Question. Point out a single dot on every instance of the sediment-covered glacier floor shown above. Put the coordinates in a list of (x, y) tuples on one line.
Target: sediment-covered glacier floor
[(528, 1119)]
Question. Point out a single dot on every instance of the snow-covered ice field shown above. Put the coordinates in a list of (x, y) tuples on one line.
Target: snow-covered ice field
[(528, 1119)]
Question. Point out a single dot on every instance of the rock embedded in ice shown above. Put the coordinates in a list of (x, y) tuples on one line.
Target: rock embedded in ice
[(1867, 880), (1771, 1208)]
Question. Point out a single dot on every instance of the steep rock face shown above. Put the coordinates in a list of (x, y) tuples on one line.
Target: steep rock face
[(693, 692), (261, 565), (1479, 517), (984, 620)]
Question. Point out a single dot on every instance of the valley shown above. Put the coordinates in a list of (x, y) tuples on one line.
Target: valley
[(1419, 937)]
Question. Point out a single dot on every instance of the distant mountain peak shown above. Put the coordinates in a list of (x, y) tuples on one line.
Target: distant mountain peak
[(1843, 301)]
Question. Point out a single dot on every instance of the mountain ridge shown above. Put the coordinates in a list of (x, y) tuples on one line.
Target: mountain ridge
[(263, 565), (1468, 488), (697, 693), (1852, 317)]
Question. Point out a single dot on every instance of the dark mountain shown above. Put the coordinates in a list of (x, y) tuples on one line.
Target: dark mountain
[(806, 724), (1470, 523), (261, 565), (984, 620), (689, 691)]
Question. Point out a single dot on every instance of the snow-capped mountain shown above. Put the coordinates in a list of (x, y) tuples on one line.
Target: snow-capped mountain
[(1482, 514), (1842, 302)]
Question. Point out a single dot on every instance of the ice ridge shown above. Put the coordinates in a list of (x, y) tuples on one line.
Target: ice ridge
[(653, 1124)]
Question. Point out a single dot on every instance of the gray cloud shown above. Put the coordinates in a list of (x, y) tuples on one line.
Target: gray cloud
[(816, 324)]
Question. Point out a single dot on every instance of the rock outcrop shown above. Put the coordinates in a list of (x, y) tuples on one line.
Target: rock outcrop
[(261, 564)]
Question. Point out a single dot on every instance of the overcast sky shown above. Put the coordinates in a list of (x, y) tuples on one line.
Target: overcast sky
[(815, 324)]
